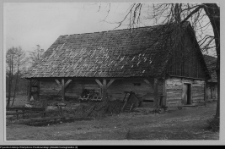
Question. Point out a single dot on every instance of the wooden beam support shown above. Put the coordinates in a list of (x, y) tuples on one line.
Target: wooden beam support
[(156, 93), (146, 81), (63, 86), (104, 90), (57, 81), (38, 89), (155, 82), (110, 82), (63, 90), (149, 83), (67, 82), (29, 90), (104, 86), (164, 92), (99, 83)]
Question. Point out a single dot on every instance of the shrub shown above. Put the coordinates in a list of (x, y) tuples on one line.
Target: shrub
[(214, 124)]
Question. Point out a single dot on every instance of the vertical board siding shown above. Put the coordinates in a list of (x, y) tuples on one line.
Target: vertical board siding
[(186, 60)]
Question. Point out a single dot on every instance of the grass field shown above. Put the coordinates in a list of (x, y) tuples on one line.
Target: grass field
[(186, 124), (20, 100)]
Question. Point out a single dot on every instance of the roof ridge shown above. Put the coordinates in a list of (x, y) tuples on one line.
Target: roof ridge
[(112, 30)]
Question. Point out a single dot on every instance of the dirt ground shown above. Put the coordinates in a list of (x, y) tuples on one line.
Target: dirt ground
[(186, 124)]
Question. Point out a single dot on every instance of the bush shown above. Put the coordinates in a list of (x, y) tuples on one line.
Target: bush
[(214, 124)]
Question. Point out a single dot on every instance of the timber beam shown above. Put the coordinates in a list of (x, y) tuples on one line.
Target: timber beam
[(29, 90), (154, 86), (33, 83), (63, 86), (104, 86)]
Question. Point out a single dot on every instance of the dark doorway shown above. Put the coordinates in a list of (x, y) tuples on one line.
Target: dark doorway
[(186, 95)]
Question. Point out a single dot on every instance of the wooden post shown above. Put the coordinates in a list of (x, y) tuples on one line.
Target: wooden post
[(104, 86), (63, 85), (67, 82), (99, 83), (164, 92), (29, 90), (110, 82), (57, 81), (156, 93), (104, 89), (38, 89), (205, 90), (63, 90)]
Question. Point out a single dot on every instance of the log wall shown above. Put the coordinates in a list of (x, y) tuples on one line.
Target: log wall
[(174, 90)]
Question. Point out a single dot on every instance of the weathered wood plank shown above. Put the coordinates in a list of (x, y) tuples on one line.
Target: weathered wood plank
[(198, 100), (164, 92), (110, 82), (146, 81), (67, 83), (104, 89), (57, 81), (38, 90), (99, 83), (178, 102), (63, 90), (173, 99), (29, 90)]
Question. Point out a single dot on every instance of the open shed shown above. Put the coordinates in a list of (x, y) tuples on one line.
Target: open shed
[(104, 65)]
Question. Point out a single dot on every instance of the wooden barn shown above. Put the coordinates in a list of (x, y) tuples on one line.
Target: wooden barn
[(211, 85), (105, 65)]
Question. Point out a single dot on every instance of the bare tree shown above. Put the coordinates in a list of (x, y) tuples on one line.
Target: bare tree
[(15, 59), (201, 16), (36, 55)]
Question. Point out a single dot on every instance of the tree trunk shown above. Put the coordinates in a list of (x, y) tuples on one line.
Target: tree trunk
[(213, 12), (10, 81), (15, 89), (9, 88)]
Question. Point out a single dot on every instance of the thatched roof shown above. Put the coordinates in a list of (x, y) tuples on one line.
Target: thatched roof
[(211, 65), (116, 53)]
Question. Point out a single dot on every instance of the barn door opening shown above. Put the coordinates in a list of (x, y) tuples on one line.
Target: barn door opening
[(186, 94)]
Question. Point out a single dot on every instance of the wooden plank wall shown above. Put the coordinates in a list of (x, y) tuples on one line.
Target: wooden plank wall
[(142, 90), (116, 91), (174, 89), (74, 89), (186, 60), (198, 92)]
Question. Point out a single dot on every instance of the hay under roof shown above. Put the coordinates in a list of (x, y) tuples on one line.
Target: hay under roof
[(117, 53)]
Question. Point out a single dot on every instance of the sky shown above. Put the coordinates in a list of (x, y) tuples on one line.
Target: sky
[(30, 24), (27, 25)]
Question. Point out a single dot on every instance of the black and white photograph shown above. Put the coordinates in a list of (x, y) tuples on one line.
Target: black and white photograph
[(111, 71)]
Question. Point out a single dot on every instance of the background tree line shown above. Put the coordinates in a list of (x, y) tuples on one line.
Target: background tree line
[(18, 62)]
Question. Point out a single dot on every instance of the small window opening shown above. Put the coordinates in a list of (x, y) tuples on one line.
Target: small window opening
[(137, 84)]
